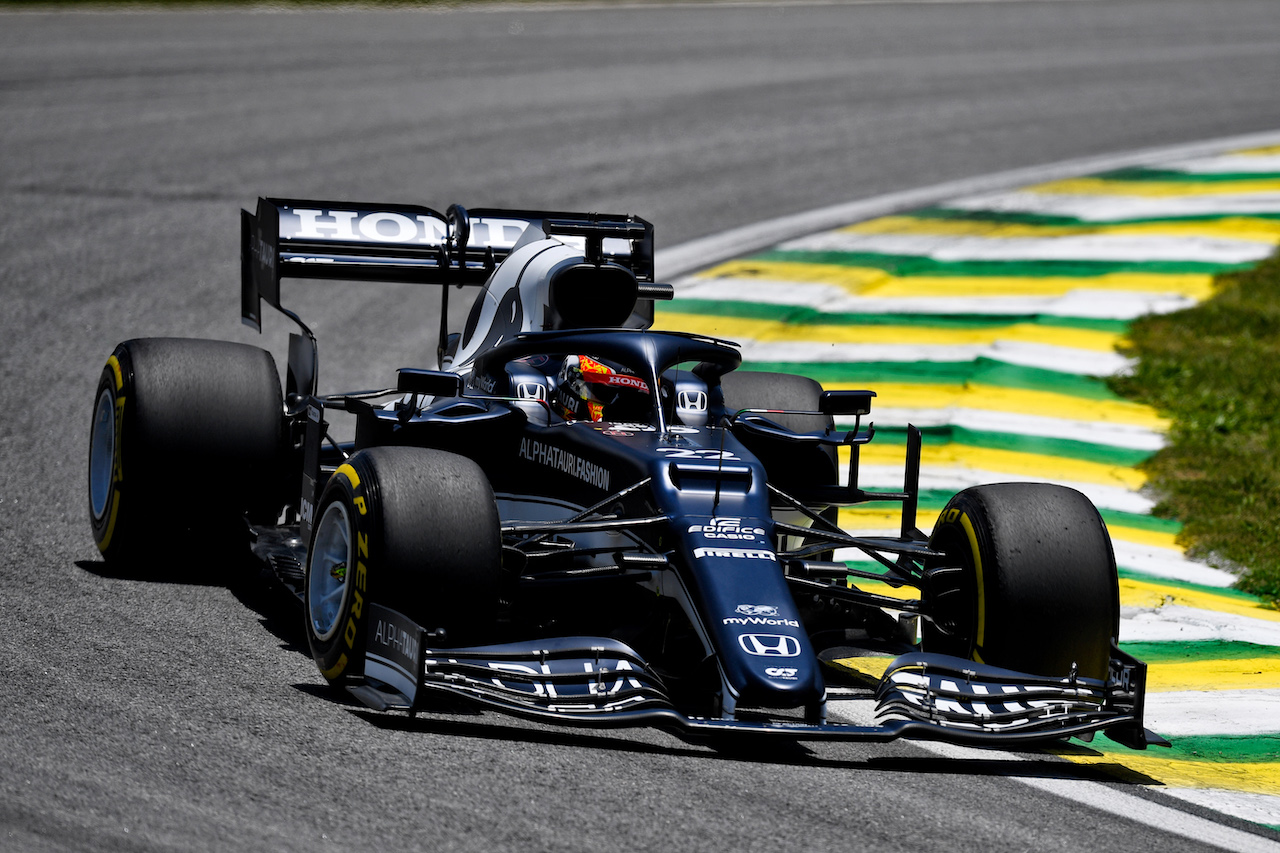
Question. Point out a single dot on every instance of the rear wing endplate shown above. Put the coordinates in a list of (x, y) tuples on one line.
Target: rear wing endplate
[(290, 238)]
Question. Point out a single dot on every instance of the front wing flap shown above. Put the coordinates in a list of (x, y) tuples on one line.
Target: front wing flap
[(952, 693)]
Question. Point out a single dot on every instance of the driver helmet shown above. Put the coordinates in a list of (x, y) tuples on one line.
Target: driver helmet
[(592, 389)]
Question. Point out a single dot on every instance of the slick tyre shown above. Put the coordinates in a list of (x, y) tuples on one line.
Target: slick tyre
[(794, 464), (1028, 582), (412, 529), (186, 436)]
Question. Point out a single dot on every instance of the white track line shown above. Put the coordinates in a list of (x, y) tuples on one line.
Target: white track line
[(1168, 564), (1235, 712), (1114, 801), (1109, 208), (1104, 798), (831, 299), (1259, 808), (1044, 356), (1178, 623), (1242, 164)]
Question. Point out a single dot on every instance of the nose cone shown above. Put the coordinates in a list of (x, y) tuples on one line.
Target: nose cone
[(751, 618), (768, 661)]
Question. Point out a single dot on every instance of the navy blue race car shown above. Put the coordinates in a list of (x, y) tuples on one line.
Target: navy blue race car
[(572, 517)]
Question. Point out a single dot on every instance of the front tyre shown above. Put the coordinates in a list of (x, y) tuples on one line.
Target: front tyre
[(1028, 582), (415, 530)]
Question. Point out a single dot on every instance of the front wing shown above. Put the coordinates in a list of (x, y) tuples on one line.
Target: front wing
[(602, 682)]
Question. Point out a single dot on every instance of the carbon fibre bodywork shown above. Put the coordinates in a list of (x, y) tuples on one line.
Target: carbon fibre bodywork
[(671, 562)]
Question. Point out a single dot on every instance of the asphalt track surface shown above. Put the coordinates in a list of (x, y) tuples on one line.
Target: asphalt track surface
[(183, 712)]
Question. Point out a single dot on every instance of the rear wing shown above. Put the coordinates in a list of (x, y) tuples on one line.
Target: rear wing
[(290, 238)]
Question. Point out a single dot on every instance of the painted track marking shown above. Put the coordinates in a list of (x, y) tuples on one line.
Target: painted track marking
[(1064, 247)]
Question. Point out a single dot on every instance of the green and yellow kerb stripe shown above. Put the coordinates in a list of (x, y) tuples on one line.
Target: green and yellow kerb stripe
[(992, 323)]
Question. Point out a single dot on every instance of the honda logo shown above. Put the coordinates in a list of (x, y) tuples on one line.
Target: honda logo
[(531, 391), (693, 400), (770, 645)]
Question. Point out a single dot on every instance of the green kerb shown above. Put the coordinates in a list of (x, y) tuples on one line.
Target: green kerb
[(1261, 749), (980, 371), (907, 266), (1175, 652), (1013, 218), (1166, 176)]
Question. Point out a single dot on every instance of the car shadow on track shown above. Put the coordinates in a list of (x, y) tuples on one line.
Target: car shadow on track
[(246, 578), (1035, 766), (195, 571), (280, 614), (749, 750)]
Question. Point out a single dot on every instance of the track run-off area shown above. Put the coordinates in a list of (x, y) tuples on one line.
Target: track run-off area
[(990, 320)]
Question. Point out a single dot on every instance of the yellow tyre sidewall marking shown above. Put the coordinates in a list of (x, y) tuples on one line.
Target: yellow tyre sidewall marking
[(117, 466), (356, 610), (980, 636), (347, 471), (953, 515), (354, 479), (337, 669)]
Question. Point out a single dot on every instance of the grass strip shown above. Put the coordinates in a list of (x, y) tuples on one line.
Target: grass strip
[(1212, 370)]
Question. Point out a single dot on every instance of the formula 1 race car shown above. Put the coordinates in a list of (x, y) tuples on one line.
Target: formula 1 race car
[(574, 518)]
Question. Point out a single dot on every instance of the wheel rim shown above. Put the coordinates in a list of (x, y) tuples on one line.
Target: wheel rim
[(102, 453), (327, 571)]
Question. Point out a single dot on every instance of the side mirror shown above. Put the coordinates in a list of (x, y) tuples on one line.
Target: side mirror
[(431, 383), (845, 402)]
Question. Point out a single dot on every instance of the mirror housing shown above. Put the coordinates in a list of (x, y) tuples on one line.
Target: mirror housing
[(840, 403), (431, 383)]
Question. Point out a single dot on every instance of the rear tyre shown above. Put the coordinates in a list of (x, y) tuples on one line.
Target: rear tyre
[(749, 389), (1031, 584), (171, 418), (413, 529)]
